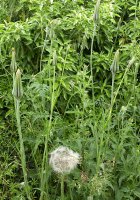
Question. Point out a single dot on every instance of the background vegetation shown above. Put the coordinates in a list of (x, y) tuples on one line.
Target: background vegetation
[(65, 55)]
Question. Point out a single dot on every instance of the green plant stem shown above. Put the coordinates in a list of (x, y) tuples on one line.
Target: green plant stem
[(114, 98), (43, 172), (112, 88), (99, 152), (44, 182), (91, 60), (43, 48), (22, 151), (62, 187), (45, 163), (71, 197)]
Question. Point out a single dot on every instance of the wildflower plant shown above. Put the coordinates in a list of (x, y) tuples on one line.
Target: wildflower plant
[(18, 93), (63, 160)]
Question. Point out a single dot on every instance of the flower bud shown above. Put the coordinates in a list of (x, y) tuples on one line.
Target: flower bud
[(54, 58), (96, 12), (115, 64), (17, 86), (131, 61)]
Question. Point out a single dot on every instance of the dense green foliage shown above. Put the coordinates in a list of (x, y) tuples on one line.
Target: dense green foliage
[(68, 86)]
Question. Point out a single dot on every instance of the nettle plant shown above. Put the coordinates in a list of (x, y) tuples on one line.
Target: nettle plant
[(80, 73)]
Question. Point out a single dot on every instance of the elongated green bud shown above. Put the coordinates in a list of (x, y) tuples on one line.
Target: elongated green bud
[(13, 61), (96, 12), (17, 86), (54, 58), (131, 62), (115, 64)]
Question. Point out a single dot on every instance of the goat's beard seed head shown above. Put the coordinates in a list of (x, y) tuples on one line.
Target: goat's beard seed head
[(64, 160)]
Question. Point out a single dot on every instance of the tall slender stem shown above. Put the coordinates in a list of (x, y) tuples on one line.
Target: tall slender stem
[(112, 88), (44, 182), (22, 150), (117, 91), (91, 59), (62, 187)]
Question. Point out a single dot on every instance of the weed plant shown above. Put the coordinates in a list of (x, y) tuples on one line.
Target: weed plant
[(80, 74)]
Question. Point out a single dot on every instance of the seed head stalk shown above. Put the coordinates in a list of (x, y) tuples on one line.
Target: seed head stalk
[(62, 187)]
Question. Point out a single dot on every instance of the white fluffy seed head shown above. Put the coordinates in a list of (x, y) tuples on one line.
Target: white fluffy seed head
[(63, 160)]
